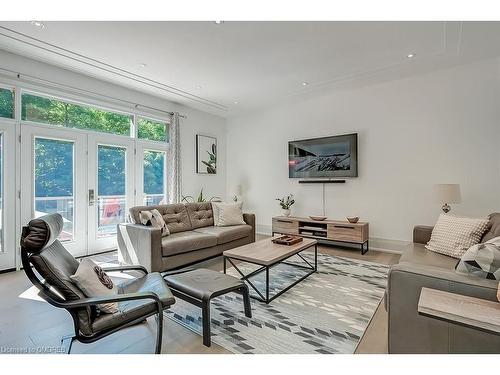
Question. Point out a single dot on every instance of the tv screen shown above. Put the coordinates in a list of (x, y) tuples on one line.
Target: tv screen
[(335, 156)]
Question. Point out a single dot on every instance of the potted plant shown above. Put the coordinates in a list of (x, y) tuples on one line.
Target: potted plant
[(200, 199), (286, 203)]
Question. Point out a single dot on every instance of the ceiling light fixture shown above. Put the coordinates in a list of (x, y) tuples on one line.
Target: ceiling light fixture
[(305, 83), (142, 65), (198, 87), (219, 22), (39, 24), (236, 102), (411, 55)]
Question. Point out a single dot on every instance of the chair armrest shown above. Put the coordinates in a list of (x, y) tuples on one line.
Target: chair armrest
[(422, 233), (410, 332), (139, 245), (441, 279), (91, 301), (126, 268), (250, 220)]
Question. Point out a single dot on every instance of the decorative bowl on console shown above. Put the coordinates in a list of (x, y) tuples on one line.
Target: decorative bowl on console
[(353, 219), (318, 218)]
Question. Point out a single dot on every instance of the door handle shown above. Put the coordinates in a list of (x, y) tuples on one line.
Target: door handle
[(91, 197)]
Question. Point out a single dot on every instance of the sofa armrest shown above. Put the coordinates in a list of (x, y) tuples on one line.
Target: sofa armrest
[(422, 233), (410, 332), (250, 220), (139, 245)]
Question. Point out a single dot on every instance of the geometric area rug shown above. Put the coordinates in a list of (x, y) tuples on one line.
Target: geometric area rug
[(327, 312)]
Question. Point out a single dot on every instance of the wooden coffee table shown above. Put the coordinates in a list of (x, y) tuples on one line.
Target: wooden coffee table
[(266, 254)]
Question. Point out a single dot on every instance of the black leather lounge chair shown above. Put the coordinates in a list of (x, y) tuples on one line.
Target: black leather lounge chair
[(137, 298)]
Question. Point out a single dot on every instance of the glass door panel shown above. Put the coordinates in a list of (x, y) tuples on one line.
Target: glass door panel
[(111, 188), (153, 177), (7, 197), (53, 181)]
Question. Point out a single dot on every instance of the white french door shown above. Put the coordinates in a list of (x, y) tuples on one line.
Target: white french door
[(87, 178), (151, 172), (7, 196), (111, 189), (53, 179)]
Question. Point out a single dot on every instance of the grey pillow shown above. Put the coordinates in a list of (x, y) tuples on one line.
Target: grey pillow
[(482, 260), (94, 282)]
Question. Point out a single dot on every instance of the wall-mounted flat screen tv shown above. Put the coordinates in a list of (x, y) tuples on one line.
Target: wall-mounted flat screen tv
[(335, 156)]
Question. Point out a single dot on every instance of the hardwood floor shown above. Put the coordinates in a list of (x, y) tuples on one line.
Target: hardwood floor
[(28, 322)]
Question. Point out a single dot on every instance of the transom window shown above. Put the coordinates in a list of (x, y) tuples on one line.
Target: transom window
[(65, 114), (6, 103), (152, 130)]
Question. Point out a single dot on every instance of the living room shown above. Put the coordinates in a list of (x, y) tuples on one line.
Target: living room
[(271, 186)]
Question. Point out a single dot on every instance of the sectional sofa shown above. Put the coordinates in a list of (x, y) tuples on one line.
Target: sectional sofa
[(418, 267), (193, 237)]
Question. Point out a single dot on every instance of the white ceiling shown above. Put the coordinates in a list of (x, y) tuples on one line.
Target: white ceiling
[(210, 66)]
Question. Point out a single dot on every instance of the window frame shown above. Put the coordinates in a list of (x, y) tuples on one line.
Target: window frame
[(132, 130), (14, 101), (150, 118)]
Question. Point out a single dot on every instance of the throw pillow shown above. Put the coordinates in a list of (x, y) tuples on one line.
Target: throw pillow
[(227, 214), (94, 282), (481, 260), (154, 219), (454, 235)]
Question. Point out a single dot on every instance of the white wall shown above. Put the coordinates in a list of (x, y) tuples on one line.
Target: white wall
[(441, 127), (196, 121)]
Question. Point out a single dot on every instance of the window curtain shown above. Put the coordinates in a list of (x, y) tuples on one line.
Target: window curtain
[(174, 161)]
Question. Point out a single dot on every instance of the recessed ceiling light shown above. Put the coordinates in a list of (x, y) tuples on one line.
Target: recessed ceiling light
[(305, 83), (198, 87), (219, 22), (411, 55), (39, 24), (236, 102), (142, 65)]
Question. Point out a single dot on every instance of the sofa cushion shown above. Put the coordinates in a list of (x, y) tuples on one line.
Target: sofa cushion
[(95, 282), (183, 242), (494, 230), (417, 254), (453, 235), (155, 219), (227, 214), (200, 214), (175, 215), (482, 260), (227, 234)]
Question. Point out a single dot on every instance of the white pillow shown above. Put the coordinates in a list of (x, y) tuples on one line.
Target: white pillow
[(453, 235), (154, 219), (94, 282), (227, 214)]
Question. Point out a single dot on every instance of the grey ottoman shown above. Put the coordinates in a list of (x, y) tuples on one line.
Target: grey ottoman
[(199, 286)]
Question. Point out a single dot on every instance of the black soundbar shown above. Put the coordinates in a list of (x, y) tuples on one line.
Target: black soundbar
[(321, 181)]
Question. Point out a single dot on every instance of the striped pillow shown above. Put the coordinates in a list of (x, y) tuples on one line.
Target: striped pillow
[(154, 219), (453, 235)]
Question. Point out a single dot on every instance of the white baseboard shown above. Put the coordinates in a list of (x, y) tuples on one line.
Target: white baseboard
[(379, 244)]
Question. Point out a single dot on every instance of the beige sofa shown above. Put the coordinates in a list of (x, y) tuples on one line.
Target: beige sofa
[(418, 267), (193, 237)]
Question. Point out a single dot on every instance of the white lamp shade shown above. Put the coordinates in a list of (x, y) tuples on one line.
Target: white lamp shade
[(447, 193)]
